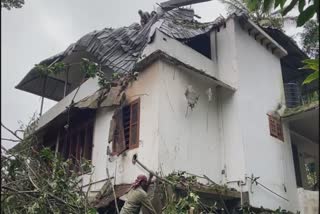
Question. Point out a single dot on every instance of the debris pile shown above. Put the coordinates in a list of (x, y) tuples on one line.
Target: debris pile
[(188, 195)]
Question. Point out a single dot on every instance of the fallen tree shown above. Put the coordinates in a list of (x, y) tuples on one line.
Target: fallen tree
[(36, 180)]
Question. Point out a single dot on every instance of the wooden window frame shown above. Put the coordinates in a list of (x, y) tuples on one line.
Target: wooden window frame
[(76, 143), (114, 144), (137, 123), (129, 145), (275, 127)]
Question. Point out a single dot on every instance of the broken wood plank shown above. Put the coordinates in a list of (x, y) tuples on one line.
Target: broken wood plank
[(171, 4)]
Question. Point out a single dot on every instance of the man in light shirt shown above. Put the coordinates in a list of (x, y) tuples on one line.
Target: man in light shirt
[(137, 197)]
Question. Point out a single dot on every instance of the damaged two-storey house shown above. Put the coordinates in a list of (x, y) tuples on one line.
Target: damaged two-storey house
[(205, 98)]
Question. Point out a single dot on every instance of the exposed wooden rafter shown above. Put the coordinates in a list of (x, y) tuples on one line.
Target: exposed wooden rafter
[(171, 4)]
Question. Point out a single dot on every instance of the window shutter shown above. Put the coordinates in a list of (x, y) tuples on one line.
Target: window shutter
[(275, 127), (112, 128), (279, 129), (134, 124), (118, 141), (122, 144)]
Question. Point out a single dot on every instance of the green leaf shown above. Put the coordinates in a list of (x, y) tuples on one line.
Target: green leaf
[(288, 8), (312, 64), (252, 4), (92, 211), (282, 2), (47, 154), (311, 78), (267, 4), (316, 5), (302, 3), (306, 15), (277, 3)]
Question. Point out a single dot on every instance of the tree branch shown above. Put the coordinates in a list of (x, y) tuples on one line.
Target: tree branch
[(12, 140), (12, 132), (18, 191), (4, 149), (289, 7), (62, 201)]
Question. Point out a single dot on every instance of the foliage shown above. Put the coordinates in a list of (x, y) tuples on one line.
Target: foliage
[(266, 12), (312, 178), (180, 176), (306, 12), (247, 209), (9, 4), (312, 64), (175, 203), (89, 68), (310, 38), (181, 205), (259, 12), (35, 180), (183, 201), (51, 69), (92, 70)]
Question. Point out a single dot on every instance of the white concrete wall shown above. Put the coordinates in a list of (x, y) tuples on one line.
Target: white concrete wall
[(170, 139), (232, 149), (181, 52), (188, 141), (226, 54), (121, 168), (260, 90), (308, 201)]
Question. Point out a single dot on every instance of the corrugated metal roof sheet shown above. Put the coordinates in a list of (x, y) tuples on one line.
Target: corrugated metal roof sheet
[(120, 48), (180, 24)]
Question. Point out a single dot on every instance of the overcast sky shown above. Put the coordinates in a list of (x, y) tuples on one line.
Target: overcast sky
[(42, 28)]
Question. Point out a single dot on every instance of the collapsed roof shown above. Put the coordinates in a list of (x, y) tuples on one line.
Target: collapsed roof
[(117, 50)]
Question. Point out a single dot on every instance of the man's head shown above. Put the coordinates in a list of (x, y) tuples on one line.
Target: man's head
[(144, 185), (142, 181)]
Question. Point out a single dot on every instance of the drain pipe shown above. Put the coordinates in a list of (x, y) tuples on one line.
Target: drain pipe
[(240, 184)]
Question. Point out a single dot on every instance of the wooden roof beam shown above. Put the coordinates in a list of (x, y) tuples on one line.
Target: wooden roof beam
[(171, 4)]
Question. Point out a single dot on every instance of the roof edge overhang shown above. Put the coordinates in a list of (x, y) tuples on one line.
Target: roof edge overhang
[(259, 35), (159, 54), (52, 86)]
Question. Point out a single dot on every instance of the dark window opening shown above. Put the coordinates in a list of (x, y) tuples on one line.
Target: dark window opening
[(76, 142), (200, 44), (124, 128), (296, 164), (50, 140)]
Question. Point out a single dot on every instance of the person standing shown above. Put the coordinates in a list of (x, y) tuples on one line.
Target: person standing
[(137, 197)]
